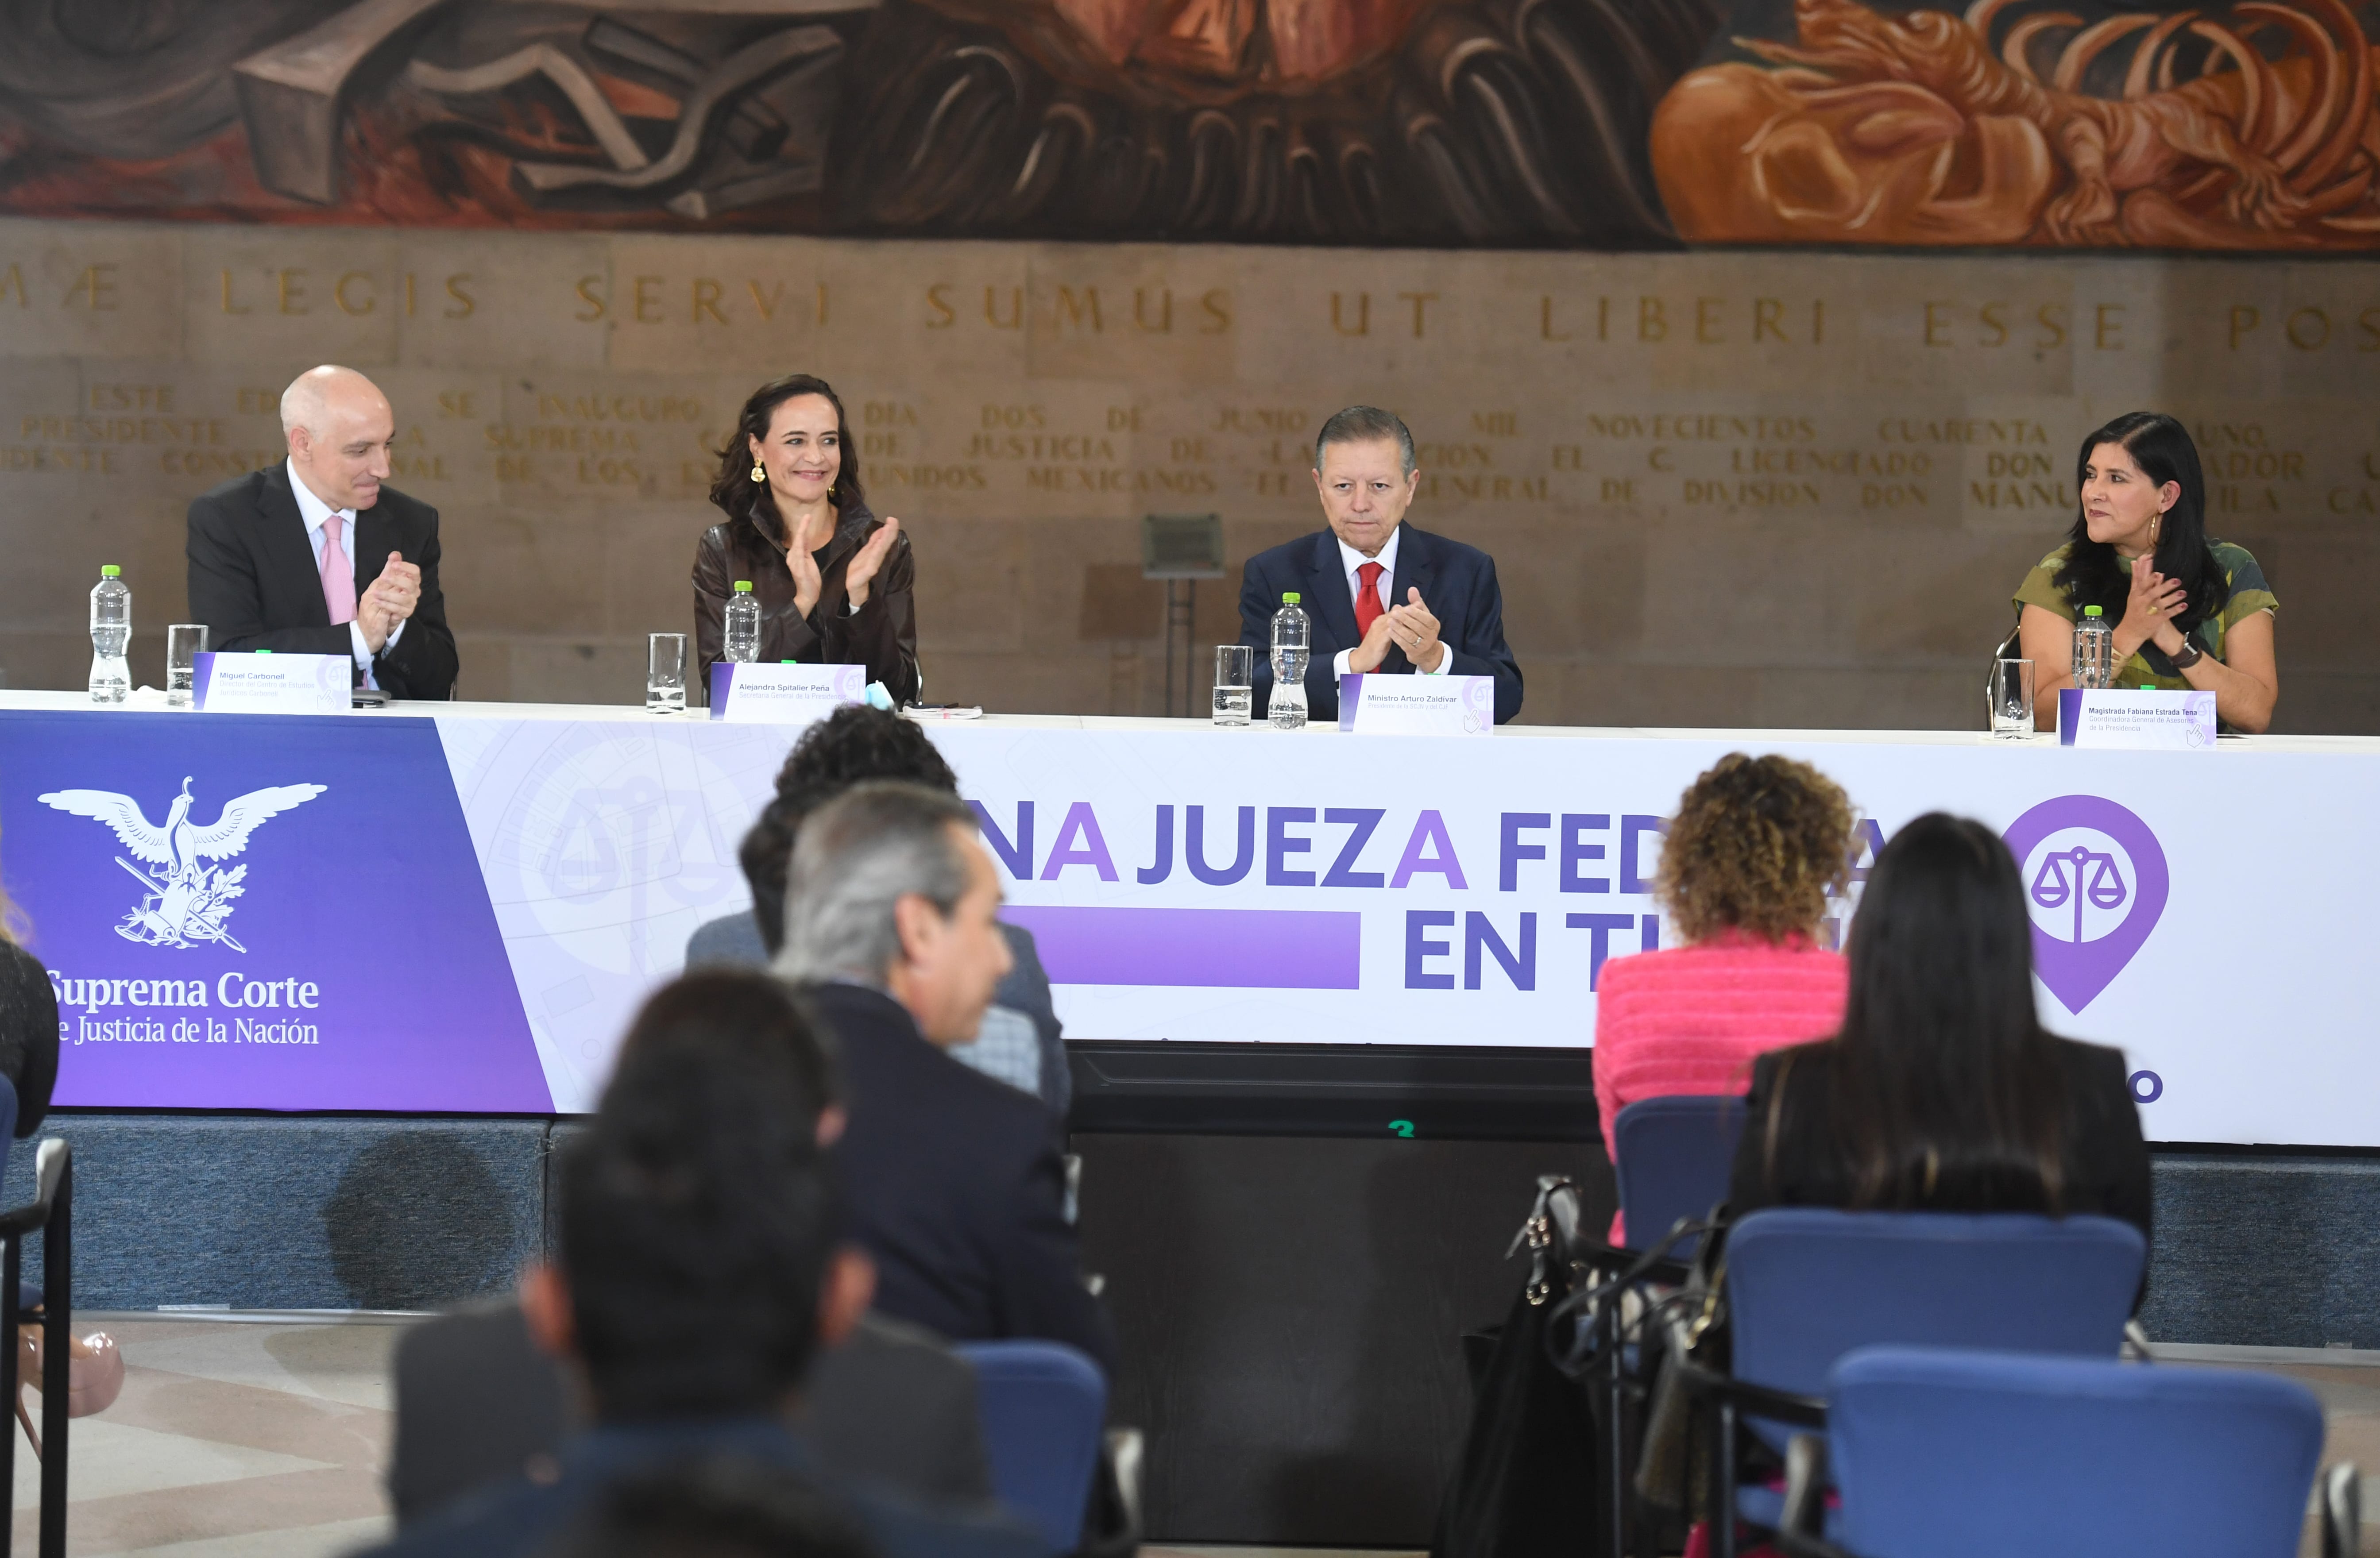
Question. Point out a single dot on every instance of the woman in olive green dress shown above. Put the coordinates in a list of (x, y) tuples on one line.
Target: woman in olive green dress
[(2188, 612)]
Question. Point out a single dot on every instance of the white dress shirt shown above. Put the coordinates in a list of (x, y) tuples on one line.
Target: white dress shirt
[(314, 511), (1353, 561)]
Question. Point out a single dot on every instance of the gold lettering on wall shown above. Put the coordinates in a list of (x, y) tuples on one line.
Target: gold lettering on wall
[(347, 305), (1073, 309), (1015, 319), (941, 304), (1419, 300), (1363, 315), (97, 283)]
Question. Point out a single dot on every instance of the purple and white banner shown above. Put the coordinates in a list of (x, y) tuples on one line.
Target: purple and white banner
[(463, 911)]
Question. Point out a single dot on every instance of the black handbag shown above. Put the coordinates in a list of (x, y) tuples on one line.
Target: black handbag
[(1524, 1485)]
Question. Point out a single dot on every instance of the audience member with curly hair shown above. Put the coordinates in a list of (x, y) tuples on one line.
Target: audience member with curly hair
[(1756, 848)]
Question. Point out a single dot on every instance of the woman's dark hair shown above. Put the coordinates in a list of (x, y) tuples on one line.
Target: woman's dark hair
[(697, 1212), (1947, 1091), (1756, 846), (2093, 575), (852, 745), (734, 491)]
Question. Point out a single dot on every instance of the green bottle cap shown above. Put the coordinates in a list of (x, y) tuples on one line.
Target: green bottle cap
[(1291, 597), (2148, 686), (742, 586), (260, 651), (2093, 611), (788, 662), (110, 571)]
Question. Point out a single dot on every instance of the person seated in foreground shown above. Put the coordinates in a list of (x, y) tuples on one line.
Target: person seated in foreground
[(1020, 1041), (1758, 846), (1942, 1092), (29, 1060), (956, 1182), (700, 1269), (714, 1509), (478, 1402)]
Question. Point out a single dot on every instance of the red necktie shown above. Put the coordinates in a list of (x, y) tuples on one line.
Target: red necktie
[(1368, 609)]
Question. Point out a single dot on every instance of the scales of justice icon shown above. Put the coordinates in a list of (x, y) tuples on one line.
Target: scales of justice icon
[(2078, 877)]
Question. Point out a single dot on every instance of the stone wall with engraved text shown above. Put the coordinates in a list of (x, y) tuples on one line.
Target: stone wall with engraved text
[(1752, 489)]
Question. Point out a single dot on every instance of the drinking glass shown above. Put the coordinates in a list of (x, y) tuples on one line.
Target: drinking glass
[(2013, 699), (185, 642), (1234, 674), (665, 674)]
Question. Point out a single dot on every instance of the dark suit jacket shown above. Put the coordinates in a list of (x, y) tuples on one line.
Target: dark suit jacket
[(476, 1401), (1457, 583), (2106, 1168), (956, 1183), (253, 581), (882, 635), (520, 1517), (733, 941)]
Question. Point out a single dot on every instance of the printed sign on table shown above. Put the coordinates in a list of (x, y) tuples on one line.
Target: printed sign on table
[(785, 693), (2147, 721), (253, 914), (1417, 705), (463, 913), (270, 684)]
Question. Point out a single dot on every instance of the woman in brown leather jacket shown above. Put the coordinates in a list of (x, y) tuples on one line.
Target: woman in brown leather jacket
[(834, 582)]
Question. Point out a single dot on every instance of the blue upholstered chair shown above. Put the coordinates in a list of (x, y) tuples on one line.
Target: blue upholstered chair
[(1674, 1157), (1804, 1286), (1044, 1405), (1957, 1454)]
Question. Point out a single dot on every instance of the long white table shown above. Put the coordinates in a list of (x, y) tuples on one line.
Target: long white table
[(479, 894)]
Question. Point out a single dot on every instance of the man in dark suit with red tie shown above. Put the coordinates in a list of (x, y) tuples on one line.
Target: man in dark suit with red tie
[(316, 556), (1383, 598)]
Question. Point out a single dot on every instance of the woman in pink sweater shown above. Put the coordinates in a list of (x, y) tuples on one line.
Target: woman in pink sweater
[(1757, 846)]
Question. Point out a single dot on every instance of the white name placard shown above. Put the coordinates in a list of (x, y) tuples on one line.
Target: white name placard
[(2145, 720), (271, 683), (784, 693), (1417, 705)]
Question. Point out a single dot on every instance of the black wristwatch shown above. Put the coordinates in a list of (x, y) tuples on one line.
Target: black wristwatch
[(2189, 654)]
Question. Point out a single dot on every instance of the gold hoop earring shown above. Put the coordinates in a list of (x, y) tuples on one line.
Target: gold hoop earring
[(760, 475)]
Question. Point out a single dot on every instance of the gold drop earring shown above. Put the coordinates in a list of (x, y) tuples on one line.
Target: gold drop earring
[(759, 473)]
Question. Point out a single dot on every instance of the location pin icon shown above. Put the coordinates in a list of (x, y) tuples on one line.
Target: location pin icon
[(2076, 971)]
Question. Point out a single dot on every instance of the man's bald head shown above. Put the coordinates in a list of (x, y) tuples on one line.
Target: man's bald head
[(340, 429)]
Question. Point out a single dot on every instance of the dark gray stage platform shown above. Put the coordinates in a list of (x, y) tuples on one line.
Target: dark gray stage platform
[(1288, 1305)]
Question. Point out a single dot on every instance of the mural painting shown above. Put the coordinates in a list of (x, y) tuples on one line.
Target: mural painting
[(1566, 124)]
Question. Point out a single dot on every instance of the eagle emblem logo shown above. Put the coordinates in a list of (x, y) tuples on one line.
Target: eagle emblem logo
[(185, 900)]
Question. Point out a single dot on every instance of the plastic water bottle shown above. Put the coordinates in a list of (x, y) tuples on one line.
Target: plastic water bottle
[(111, 635), (2094, 650), (1290, 635), (743, 625)]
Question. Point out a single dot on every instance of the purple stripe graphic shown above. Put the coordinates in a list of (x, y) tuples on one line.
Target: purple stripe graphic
[(1236, 948)]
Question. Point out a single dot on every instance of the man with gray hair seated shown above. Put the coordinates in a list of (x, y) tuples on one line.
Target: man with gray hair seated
[(954, 1182), (1382, 597)]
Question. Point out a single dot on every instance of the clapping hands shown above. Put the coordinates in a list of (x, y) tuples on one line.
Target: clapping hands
[(389, 602)]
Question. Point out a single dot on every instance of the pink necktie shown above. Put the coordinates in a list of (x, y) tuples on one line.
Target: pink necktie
[(338, 573)]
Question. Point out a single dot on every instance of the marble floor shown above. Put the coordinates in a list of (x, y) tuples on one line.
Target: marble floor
[(263, 1437)]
